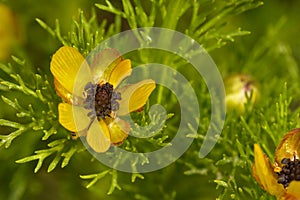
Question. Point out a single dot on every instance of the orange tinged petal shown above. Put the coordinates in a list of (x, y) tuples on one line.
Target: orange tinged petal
[(98, 136), (122, 70), (118, 130), (135, 96), (65, 66), (62, 92), (289, 145), (262, 171), (67, 120)]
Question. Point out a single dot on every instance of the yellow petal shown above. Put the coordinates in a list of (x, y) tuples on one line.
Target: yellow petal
[(135, 96), (118, 130), (98, 136), (263, 173), (103, 64), (67, 120), (293, 191), (122, 70), (65, 66), (289, 145)]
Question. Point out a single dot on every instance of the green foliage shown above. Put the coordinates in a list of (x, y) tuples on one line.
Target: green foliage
[(205, 24), (85, 34), (96, 177), (30, 95), (58, 147), (34, 117)]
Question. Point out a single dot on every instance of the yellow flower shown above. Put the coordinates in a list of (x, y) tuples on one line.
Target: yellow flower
[(283, 178), (91, 91)]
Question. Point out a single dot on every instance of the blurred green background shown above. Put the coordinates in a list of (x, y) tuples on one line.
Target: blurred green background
[(274, 25)]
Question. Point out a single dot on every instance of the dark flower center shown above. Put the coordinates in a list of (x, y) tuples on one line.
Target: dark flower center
[(290, 171), (102, 98)]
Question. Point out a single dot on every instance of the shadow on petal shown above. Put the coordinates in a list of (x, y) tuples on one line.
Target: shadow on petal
[(289, 146), (118, 130)]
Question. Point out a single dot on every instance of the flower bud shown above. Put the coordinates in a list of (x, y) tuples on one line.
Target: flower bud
[(240, 89)]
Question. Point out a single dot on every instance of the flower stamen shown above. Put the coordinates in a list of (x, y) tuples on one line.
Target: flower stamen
[(289, 172), (101, 99)]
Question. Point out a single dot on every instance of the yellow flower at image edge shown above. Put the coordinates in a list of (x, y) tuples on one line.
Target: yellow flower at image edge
[(283, 178), (95, 96), (10, 32)]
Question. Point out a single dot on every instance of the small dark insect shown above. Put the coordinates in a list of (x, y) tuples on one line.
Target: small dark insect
[(74, 135)]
